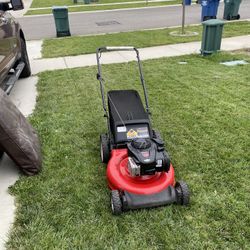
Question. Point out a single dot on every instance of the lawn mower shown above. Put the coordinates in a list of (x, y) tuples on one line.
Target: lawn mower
[(139, 171)]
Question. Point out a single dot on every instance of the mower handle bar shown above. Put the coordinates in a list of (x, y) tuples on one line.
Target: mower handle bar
[(99, 74)]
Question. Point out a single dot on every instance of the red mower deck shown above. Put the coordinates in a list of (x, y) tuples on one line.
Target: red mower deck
[(119, 177)]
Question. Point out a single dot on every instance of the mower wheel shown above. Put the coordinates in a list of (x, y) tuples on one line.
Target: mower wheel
[(116, 203), (182, 192), (104, 150)]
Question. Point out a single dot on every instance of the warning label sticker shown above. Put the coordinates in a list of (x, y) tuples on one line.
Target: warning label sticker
[(121, 129), (142, 132), (131, 134)]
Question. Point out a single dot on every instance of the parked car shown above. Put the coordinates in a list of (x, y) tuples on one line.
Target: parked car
[(14, 61)]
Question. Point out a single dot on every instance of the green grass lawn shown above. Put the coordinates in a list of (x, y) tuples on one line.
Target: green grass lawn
[(87, 44), (49, 3), (202, 111), (89, 7)]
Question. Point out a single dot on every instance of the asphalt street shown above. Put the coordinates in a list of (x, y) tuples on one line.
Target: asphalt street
[(39, 27)]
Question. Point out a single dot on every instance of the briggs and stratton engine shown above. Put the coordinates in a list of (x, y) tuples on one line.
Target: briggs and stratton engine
[(147, 156)]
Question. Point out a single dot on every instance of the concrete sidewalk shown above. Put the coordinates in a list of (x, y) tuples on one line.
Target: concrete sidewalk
[(24, 96), (39, 65), (20, 13)]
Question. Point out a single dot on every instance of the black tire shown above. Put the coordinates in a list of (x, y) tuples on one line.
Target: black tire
[(238, 17), (116, 203), (182, 192), (24, 58), (104, 148)]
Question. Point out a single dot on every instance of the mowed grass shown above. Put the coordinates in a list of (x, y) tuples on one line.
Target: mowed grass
[(202, 111), (87, 44), (49, 3), (90, 7)]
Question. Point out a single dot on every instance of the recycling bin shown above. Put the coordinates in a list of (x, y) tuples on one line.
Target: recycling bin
[(60, 14), (209, 9), (211, 36), (231, 9), (188, 2)]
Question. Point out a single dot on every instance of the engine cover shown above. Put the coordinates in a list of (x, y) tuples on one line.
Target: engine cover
[(149, 155)]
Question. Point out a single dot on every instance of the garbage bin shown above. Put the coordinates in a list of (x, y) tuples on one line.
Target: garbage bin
[(231, 9), (211, 36), (209, 9), (187, 2), (61, 20)]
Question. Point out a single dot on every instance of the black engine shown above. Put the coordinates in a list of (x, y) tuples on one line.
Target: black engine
[(147, 156)]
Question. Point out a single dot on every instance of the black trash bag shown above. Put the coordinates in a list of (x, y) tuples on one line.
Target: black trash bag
[(18, 138)]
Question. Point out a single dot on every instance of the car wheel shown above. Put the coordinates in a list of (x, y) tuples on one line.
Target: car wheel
[(24, 58)]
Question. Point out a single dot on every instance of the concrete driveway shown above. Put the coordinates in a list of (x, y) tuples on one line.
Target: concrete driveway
[(24, 96)]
